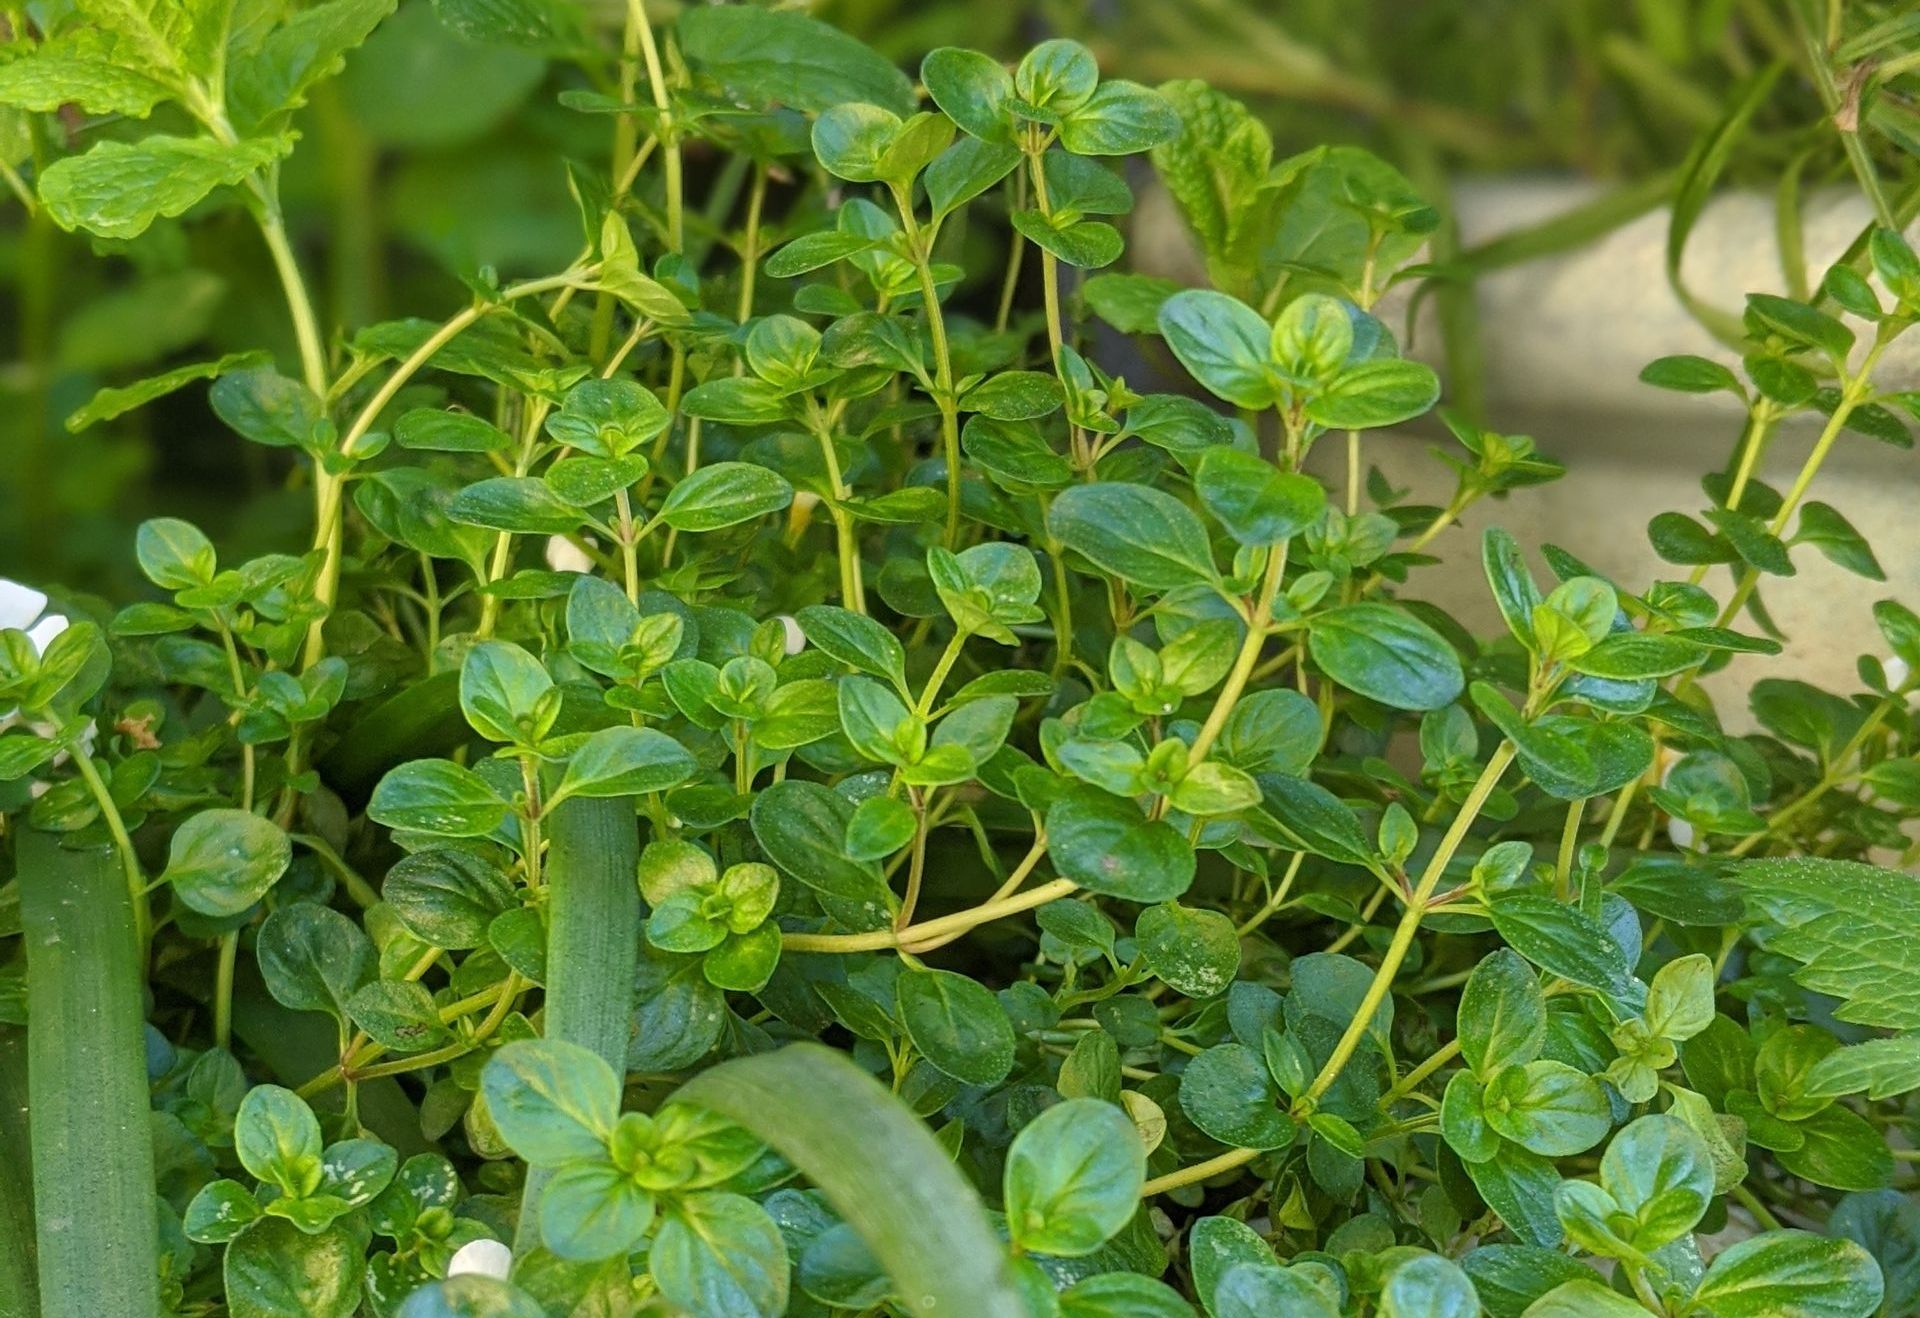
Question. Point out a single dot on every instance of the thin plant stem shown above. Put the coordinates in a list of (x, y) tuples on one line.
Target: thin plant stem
[(919, 937), (1416, 910)]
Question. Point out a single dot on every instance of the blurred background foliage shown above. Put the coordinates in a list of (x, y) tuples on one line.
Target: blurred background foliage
[(436, 154)]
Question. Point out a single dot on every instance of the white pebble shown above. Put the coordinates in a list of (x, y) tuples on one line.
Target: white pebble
[(481, 1258), (1680, 833), (1897, 672), (565, 556), (796, 639)]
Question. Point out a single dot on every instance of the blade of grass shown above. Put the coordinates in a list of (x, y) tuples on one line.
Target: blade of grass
[(18, 1291), (879, 1167), (87, 1086), (593, 940)]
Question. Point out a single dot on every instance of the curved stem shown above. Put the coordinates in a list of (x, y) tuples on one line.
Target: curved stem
[(1409, 925), (122, 845), (1249, 655), (1200, 1171), (919, 937)]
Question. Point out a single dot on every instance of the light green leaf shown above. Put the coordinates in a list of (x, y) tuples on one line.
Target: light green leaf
[(117, 189)]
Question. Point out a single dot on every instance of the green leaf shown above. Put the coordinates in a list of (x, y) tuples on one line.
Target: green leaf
[(118, 400), (277, 1137), (1145, 536), (221, 861), (1659, 1173), (956, 1024), (507, 694), (1630, 656), (972, 89), (1564, 941), (554, 1102), (1105, 845), (1119, 119), (1386, 655), (313, 958), (1195, 952), (518, 504), (1223, 342), (1254, 1290), (1312, 819), (1849, 926), (78, 69), (724, 494), (274, 77), (1583, 1299), (1054, 78), (965, 170), (1689, 374), (1680, 999), (1383, 392), (436, 430), (1256, 502), (1085, 244), (1503, 1014), (174, 555), (802, 827), (787, 58), (1272, 732), (1510, 1277), (878, 1167), (275, 1270), (470, 1295), (398, 1014), (1227, 1092), (1218, 171), (1880, 1068), (855, 640), (118, 189), (1548, 1107), (851, 141), (1073, 1178), (592, 1210), (1122, 1295), (625, 762), (268, 408), (720, 1253), (1791, 1274), (439, 797), (1428, 1287), (1520, 1187), (1825, 529)]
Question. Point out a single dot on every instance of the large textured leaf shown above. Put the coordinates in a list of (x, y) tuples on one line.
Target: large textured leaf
[(789, 58), (1854, 928), (878, 1166), (119, 188), (275, 76)]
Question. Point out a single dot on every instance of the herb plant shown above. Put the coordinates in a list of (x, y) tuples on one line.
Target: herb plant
[(780, 782)]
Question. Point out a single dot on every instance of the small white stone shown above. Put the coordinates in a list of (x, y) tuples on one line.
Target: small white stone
[(43, 632), (481, 1258), (1897, 671), (565, 556), (1680, 833), (19, 605), (796, 639)]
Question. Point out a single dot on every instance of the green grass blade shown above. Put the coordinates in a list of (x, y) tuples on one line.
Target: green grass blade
[(880, 1168), (593, 940), (19, 1292), (87, 1086)]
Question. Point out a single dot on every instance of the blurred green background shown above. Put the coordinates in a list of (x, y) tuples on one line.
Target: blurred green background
[(433, 155)]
